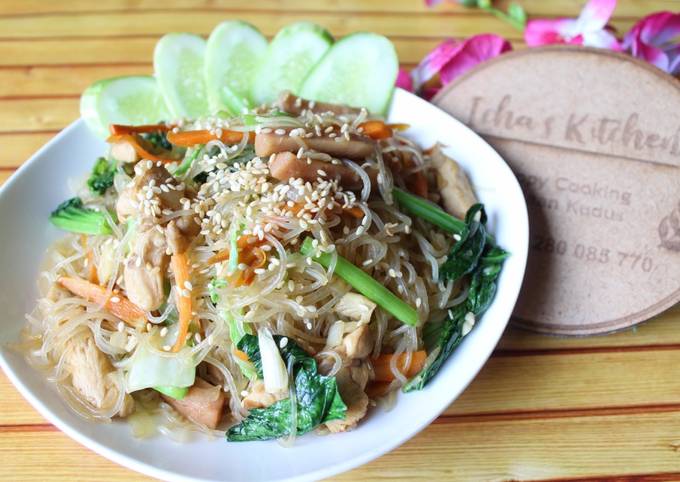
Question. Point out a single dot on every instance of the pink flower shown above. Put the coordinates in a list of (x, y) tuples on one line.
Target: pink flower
[(404, 80), (452, 58), (655, 40), (590, 28)]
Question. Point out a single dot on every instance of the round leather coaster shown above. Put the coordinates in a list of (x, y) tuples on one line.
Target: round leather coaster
[(594, 138)]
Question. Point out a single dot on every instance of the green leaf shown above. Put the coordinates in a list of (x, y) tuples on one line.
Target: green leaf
[(465, 254), (101, 178), (517, 13), (317, 397), (477, 254)]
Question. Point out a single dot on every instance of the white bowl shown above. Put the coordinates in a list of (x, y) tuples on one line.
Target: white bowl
[(40, 184)]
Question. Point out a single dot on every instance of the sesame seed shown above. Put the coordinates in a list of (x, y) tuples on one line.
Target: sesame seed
[(166, 347), (283, 342), (367, 262), (121, 326), (164, 331), (419, 302), (188, 285), (115, 299)]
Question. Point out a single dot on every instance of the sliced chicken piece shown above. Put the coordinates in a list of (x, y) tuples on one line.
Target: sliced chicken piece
[(355, 307), (127, 205), (203, 404), (292, 104), (124, 151), (258, 397), (91, 373), (355, 399), (285, 166), (357, 148), (357, 344), (145, 268), (454, 186), (153, 176)]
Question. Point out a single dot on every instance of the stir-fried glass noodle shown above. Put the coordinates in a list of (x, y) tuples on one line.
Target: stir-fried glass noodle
[(264, 275)]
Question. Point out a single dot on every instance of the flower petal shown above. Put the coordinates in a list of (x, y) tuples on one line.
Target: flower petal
[(544, 32), (404, 80), (475, 50), (595, 15), (652, 39), (602, 39), (432, 3), (434, 61)]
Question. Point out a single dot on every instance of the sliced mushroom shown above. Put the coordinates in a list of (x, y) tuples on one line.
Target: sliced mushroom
[(203, 404), (292, 104), (454, 186), (91, 373), (355, 399), (285, 166), (357, 147), (145, 268)]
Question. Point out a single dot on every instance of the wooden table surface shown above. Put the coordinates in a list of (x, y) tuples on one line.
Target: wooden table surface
[(542, 408)]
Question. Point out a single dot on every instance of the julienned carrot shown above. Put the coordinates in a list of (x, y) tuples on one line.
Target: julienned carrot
[(115, 303), (355, 212), (376, 129), (241, 355), (383, 372), (191, 138), (398, 126), (137, 146), (180, 268), (242, 243), (120, 129)]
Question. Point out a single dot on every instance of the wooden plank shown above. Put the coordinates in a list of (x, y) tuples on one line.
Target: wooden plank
[(451, 450), (662, 330), (525, 385), (578, 381), (37, 114), (17, 148), (201, 22), (47, 453), (4, 175), (534, 7), (135, 53), (58, 82), (534, 449)]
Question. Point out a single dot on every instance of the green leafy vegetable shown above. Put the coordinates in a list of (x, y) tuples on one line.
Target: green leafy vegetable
[(430, 212), (365, 284), (465, 254), (158, 139), (476, 254), (101, 177), (73, 216), (317, 397), (178, 393)]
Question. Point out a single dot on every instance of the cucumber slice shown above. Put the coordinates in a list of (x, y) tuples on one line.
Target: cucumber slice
[(178, 63), (290, 57), (122, 100), (232, 56), (360, 70)]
